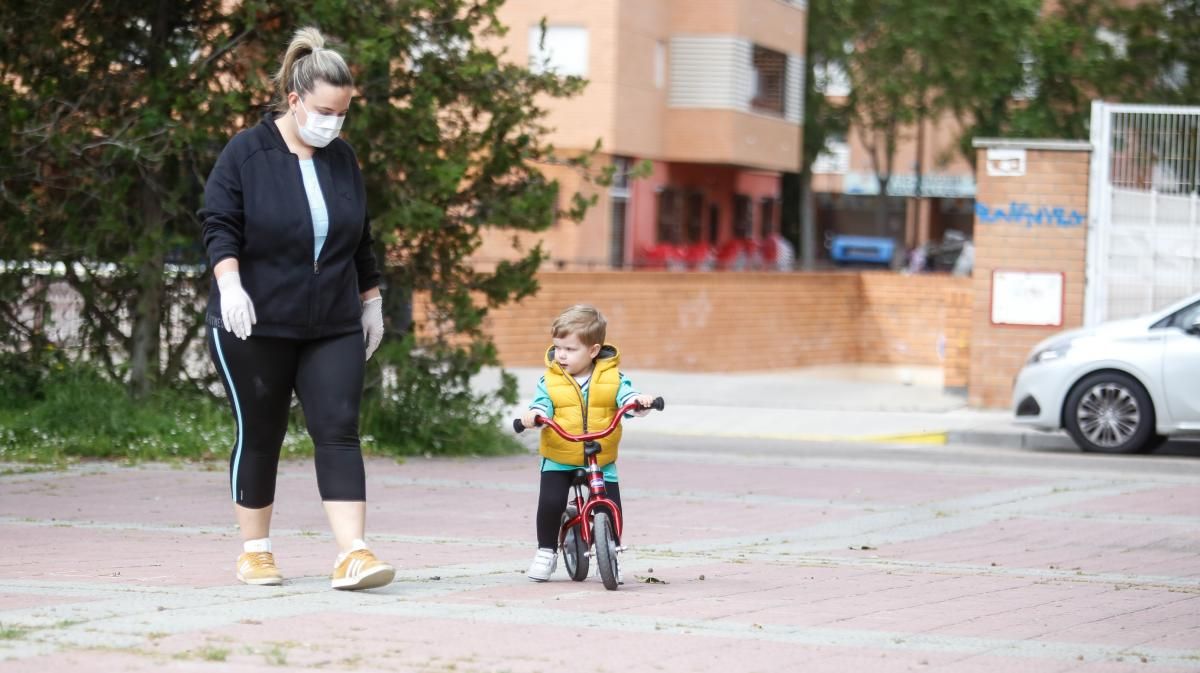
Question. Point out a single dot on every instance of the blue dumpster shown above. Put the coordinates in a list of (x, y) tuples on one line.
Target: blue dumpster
[(862, 249)]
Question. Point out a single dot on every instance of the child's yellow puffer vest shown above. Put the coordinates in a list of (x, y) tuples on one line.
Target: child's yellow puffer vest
[(570, 414)]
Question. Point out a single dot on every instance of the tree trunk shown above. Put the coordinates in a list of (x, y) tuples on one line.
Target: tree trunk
[(808, 224), (147, 306), (789, 212), (881, 207)]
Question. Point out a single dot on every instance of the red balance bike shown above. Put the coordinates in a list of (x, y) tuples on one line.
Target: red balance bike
[(595, 520)]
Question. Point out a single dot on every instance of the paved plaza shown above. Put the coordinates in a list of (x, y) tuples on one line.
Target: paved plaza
[(745, 555)]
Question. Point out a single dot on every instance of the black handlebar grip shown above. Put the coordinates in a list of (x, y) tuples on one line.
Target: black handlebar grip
[(518, 426), (658, 404)]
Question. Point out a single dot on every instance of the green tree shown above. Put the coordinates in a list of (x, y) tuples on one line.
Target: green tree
[(824, 57), (108, 119), (452, 143), (1070, 62), (1163, 38), (113, 113), (1082, 50), (911, 61)]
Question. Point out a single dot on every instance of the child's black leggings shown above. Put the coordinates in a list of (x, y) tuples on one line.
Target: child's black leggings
[(259, 375), (552, 500)]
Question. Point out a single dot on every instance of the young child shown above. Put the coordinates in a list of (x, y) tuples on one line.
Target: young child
[(582, 385)]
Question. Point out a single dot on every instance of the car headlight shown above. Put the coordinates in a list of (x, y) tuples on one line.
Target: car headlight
[(1049, 353)]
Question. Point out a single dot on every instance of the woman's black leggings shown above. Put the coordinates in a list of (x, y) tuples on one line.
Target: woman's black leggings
[(259, 375), (552, 500)]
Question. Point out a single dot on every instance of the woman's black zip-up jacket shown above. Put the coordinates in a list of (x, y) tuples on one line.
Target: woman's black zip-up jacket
[(256, 210)]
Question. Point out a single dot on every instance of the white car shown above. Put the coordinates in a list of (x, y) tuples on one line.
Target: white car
[(1120, 387)]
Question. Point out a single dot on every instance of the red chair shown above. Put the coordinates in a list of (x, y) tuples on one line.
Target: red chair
[(662, 256), (738, 254), (768, 249), (700, 256)]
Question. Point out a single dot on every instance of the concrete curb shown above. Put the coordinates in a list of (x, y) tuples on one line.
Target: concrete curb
[(1016, 440), (995, 438)]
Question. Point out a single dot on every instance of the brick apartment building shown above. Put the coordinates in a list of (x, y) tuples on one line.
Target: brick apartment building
[(709, 92)]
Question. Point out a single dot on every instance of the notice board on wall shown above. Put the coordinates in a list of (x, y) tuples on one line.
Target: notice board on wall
[(1027, 298)]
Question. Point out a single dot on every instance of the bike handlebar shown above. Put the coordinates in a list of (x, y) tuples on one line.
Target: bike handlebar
[(657, 404)]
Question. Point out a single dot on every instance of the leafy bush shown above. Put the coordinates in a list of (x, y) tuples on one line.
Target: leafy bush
[(22, 377), (52, 410), (76, 412), (419, 401)]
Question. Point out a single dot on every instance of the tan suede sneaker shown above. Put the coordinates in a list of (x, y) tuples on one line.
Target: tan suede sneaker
[(361, 570), (258, 567)]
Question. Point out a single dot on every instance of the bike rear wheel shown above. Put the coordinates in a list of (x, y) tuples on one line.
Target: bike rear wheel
[(606, 549)]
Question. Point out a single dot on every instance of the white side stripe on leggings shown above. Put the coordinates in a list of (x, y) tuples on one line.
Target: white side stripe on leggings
[(237, 410)]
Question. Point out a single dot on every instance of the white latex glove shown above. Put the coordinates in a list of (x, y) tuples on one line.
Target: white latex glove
[(237, 311), (372, 323)]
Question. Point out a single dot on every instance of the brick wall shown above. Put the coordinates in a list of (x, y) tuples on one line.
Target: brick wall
[(1055, 179), (903, 318), (742, 321), (957, 365)]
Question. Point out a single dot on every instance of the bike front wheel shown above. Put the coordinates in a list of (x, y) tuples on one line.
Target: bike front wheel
[(606, 550)]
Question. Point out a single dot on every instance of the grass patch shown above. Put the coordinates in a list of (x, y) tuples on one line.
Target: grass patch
[(209, 653), (276, 656), (12, 633), (70, 412), (77, 413)]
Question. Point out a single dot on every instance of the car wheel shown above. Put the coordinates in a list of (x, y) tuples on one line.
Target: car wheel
[(1110, 412)]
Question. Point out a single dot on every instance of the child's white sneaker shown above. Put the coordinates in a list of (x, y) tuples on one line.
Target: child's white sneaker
[(544, 563)]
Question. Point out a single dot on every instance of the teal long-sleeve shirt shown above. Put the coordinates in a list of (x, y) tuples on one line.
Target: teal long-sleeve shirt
[(545, 406)]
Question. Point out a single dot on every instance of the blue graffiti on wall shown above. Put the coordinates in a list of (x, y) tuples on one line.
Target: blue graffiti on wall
[(1024, 213)]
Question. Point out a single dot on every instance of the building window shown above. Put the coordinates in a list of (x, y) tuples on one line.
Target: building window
[(619, 193), (834, 158), (660, 65), (669, 216), (694, 218), (767, 212), (830, 79), (770, 77), (714, 224), (743, 217), (562, 50), (620, 178), (616, 241)]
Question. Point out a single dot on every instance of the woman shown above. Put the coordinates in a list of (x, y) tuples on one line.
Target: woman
[(295, 305)]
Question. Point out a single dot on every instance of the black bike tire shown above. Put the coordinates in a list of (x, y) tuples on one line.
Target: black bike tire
[(606, 549), (573, 547)]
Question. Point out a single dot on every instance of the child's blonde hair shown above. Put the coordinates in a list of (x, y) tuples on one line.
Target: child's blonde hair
[(584, 321)]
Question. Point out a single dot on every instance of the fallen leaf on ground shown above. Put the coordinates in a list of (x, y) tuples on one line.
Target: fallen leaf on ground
[(650, 580)]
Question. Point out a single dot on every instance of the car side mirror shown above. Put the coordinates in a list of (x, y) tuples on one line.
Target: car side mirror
[(1194, 328)]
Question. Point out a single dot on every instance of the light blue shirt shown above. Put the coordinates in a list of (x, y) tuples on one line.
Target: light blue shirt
[(541, 402), (316, 205)]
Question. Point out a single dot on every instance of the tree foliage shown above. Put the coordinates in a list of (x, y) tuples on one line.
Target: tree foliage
[(113, 113), (1081, 50), (823, 120), (912, 61), (1015, 68)]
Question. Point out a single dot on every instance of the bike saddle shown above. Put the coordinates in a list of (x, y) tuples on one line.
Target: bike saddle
[(580, 478)]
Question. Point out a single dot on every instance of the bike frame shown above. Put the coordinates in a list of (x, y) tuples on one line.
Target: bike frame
[(598, 494), (598, 497)]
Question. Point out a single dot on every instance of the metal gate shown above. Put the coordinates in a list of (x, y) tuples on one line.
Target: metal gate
[(1143, 249)]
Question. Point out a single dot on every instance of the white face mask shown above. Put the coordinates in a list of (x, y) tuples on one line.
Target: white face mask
[(320, 129)]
